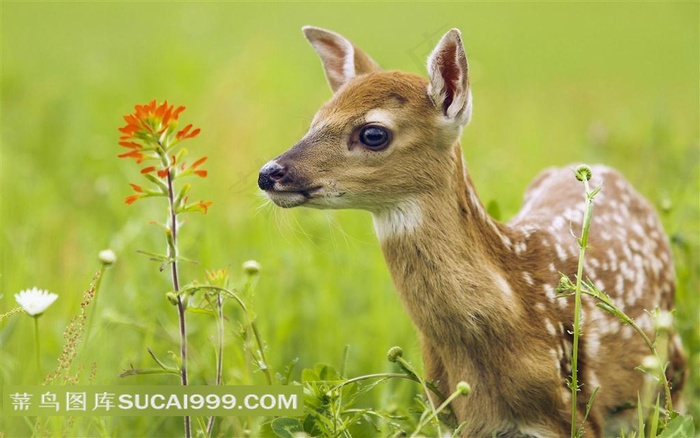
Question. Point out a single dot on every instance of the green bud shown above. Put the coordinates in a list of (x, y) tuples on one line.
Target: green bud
[(251, 267), (172, 298), (394, 354), (664, 321), (463, 388), (650, 363), (583, 173)]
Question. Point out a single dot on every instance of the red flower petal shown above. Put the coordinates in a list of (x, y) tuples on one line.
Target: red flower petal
[(149, 169), (194, 133), (131, 199), (163, 172), (136, 188), (204, 206), (177, 112), (183, 132), (201, 173), (198, 162), (130, 145), (133, 154)]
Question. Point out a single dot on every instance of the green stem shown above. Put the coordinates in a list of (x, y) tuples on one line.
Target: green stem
[(220, 355), (172, 253), (583, 242), (435, 412), (36, 343), (262, 362), (98, 281)]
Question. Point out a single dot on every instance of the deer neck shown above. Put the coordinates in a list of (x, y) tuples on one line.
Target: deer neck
[(446, 256)]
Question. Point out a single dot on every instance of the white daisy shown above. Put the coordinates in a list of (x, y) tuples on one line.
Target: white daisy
[(35, 301)]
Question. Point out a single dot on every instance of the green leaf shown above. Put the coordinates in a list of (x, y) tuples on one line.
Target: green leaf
[(309, 375), (327, 372), (201, 310), (640, 416), (285, 427), (311, 426), (654, 426), (680, 427), (155, 257)]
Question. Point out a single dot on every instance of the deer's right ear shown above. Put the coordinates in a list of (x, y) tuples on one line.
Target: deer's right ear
[(341, 60)]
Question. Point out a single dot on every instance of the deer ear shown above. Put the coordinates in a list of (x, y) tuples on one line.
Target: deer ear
[(341, 60), (449, 78)]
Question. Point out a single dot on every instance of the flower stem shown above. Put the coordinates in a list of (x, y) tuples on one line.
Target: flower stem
[(172, 254), (91, 317), (36, 343), (220, 355), (583, 242)]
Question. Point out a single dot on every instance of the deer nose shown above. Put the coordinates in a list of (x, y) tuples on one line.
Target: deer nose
[(270, 174)]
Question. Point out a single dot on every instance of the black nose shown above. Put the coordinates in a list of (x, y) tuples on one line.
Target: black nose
[(270, 174)]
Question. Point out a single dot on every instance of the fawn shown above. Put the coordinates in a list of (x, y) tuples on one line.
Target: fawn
[(482, 293)]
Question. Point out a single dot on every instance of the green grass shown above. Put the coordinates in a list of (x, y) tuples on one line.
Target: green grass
[(553, 84)]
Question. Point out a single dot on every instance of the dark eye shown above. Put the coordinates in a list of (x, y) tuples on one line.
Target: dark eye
[(374, 137)]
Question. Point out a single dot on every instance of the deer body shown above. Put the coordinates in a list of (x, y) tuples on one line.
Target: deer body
[(481, 293)]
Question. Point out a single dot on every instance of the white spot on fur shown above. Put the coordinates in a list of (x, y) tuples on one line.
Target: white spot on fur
[(550, 327), (592, 342), (504, 287), (400, 220), (565, 396), (520, 248), (528, 278), (560, 252), (549, 291)]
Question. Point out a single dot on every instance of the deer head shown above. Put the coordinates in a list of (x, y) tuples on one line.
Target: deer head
[(383, 138)]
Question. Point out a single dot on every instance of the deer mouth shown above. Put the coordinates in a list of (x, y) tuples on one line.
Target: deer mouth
[(291, 198)]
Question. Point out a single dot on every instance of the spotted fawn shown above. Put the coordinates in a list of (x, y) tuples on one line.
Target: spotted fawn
[(482, 293)]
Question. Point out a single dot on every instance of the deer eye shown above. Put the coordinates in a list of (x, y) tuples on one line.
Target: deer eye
[(374, 137)]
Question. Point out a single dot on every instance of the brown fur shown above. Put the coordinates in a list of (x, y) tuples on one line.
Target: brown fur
[(480, 292)]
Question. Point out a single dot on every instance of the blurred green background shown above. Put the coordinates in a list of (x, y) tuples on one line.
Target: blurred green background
[(553, 84)]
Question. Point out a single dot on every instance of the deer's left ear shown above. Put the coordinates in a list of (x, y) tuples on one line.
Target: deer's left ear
[(342, 61), (449, 78)]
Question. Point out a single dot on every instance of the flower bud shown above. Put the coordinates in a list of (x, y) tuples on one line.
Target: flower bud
[(583, 173), (251, 267), (107, 257), (394, 354), (664, 322), (172, 298), (463, 388), (650, 363)]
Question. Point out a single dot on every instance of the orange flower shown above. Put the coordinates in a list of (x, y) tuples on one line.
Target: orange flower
[(132, 198), (199, 172), (185, 133), (204, 206), (133, 154), (151, 132), (150, 121)]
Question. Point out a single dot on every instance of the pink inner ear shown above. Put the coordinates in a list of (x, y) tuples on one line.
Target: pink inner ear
[(450, 72), (336, 60)]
